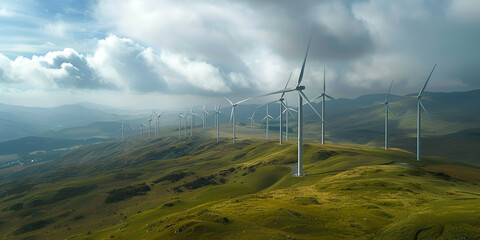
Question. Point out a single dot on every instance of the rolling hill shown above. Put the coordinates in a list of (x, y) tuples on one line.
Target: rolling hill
[(195, 188)]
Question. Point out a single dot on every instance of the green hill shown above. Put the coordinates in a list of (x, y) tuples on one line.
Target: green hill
[(196, 188)]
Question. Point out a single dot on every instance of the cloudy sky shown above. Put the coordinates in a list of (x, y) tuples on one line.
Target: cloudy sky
[(166, 54)]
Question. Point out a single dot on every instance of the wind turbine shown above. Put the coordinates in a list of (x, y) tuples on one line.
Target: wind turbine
[(266, 118), (149, 127), (301, 96), (387, 108), (251, 120), (232, 115), (287, 112), (282, 105), (217, 123), (323, 95), (157, 132), (179, 116), (204, 115), (191, 116), (420, 104), (185, 121)]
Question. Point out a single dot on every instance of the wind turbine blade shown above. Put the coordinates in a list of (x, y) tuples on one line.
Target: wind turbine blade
[(244, 100), (267, 103), (264, 118), (321, 95), (310, 104), (300, 78), (425, 110), (389, 109), (286, 85), (291, 113), (388, 94), (329, 97), (428, 79), (253, 114), (229, 100), (279, 91)]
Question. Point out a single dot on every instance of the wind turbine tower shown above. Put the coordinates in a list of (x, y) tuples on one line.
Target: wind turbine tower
[(217, 123), (420, 105)]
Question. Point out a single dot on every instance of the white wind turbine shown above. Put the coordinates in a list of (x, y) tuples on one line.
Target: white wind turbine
[(191, 116), (301, 96), (387, 108), (204, 115), (420, 105), (185, 121), (217, 123), (266, 118), (232, 115), (251, 120), (323, 95), (149, 127), (281, 101), (179, 117), (287, 111), (157, 132)]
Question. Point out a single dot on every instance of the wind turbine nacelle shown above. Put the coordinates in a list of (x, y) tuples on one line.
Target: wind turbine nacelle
[(300, 88)]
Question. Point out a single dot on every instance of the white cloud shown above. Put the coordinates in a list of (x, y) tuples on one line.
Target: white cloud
[(4, 12), (464, 10)]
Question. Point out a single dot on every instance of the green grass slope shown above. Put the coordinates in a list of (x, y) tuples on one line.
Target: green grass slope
[(196, 188)]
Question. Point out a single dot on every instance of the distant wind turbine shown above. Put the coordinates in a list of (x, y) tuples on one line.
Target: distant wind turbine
[(323, 95), (287, 112), (149, 127), (281, 101), (191, 116), (251, 120), (301, 96), (420, 105), (204, 115), (387, 108), (266, 118), (157, 132), (179, 116), (232, 115), (217, 123)]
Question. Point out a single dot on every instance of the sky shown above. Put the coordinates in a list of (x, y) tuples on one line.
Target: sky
[(169, 54)]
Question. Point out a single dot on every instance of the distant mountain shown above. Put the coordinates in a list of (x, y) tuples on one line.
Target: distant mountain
[(31, 144), (19, 121)]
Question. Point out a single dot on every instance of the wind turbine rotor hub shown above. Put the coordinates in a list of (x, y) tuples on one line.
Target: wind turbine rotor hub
[(300, 88)]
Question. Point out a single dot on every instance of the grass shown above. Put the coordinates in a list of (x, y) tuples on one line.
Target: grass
[(200, 189)]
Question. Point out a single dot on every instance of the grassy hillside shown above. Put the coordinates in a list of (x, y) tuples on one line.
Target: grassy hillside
[(196, 188)]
